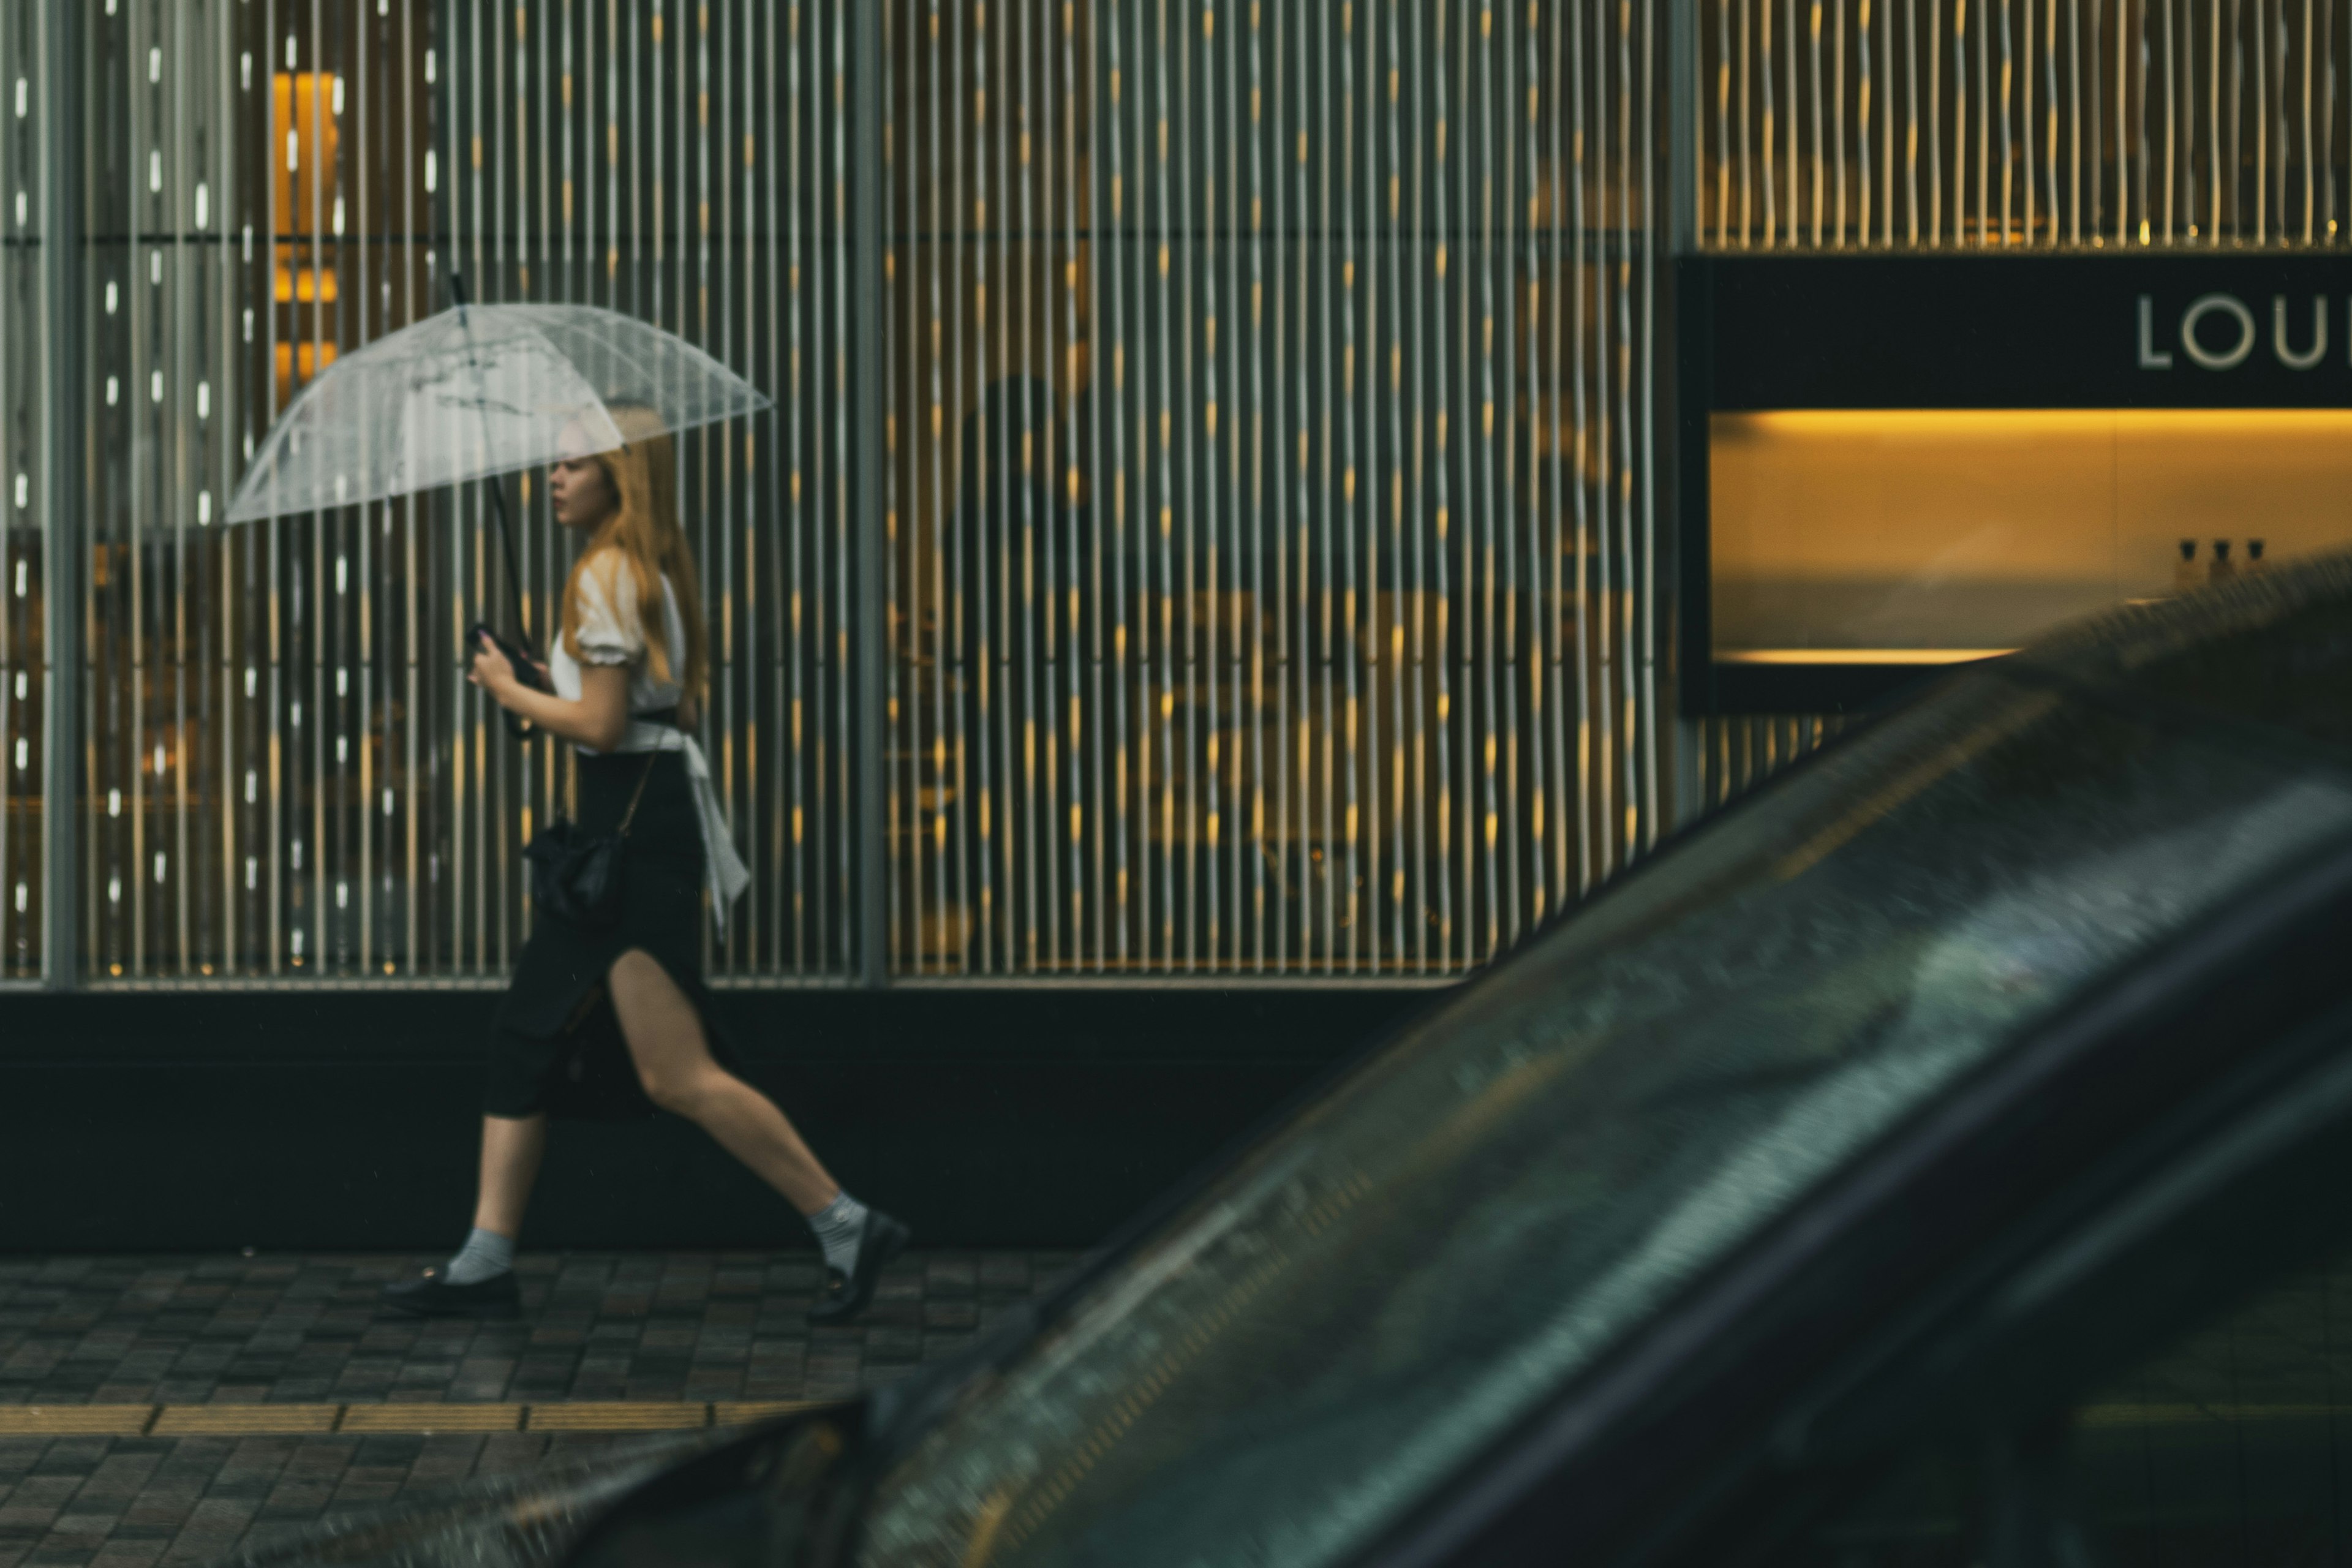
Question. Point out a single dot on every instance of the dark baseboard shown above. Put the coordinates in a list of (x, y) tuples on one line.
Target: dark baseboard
[(347, 1120)]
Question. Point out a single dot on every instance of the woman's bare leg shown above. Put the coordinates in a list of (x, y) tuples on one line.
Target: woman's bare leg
[(511, 1148), (674, 1062)]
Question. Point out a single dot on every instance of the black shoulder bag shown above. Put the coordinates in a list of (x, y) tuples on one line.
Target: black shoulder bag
[(577, 877)]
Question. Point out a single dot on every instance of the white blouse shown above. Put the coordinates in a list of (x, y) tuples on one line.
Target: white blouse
[(611, 633)]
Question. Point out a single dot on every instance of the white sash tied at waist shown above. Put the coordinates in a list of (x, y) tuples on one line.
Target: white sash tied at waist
[(724, 872)]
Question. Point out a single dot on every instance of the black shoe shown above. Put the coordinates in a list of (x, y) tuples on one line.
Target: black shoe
[(430, 1296), (847, 1295)]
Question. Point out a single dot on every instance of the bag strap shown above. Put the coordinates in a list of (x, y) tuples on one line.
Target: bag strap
[(631, 815)]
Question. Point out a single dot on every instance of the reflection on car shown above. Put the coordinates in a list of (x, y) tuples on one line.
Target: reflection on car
[(1932, 1158)]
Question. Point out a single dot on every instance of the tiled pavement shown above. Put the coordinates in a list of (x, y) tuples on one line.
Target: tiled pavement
[(624, 1332)]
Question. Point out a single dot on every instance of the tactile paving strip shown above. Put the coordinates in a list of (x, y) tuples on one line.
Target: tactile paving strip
[(425, 1416)]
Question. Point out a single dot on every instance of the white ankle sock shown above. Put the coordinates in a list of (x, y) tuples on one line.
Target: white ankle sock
[(839, 1226), (486, 1256)]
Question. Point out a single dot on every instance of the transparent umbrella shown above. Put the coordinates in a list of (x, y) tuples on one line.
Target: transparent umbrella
[(475, 392)]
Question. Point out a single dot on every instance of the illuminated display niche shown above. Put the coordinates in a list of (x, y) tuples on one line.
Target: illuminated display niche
[(1931, 536)]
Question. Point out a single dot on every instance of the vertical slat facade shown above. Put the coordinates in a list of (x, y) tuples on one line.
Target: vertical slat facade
[(1273, 574), (1274, 498), (288, 776), (25, 494), (1274, 581), (2014, 124), (683, 162)]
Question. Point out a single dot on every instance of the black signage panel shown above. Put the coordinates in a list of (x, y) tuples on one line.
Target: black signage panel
[(2175, 331)]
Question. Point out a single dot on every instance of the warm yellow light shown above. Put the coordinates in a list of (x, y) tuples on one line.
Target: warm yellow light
[(304, 120), (307, 285), (1957, 532), (1858, 655), (1980, 423), (301, 362)]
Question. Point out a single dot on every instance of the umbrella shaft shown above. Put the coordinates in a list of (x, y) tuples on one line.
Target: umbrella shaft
[(514, 568), (498, 487)]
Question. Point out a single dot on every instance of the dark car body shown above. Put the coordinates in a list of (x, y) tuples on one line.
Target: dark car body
[(1824, 1190)]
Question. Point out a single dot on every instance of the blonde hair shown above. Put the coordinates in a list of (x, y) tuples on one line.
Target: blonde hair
[(642, 531)]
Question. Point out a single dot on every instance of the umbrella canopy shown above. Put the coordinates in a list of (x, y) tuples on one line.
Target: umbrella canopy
[(476, 391)]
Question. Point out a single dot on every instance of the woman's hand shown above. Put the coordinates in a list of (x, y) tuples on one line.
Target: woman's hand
[(496, 673), (493, 672), (598, 719)]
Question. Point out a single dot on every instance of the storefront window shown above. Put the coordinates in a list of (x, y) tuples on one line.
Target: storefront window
[(1934, 536)]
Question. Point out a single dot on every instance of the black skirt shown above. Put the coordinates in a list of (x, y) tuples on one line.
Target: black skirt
[(556, 1045)]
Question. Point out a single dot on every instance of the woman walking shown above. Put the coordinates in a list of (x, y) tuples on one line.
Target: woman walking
[(617, 1017)]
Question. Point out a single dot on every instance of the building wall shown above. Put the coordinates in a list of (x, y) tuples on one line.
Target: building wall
[(28, 499), (2020, 124), (1274, 485), (318, 1118), (1277, 575), (1272, 577), (2015, 128)]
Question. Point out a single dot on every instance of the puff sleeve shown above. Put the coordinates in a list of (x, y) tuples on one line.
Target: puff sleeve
[(608, 631)]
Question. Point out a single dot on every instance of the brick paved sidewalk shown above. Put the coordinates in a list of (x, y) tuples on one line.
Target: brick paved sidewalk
[(607, 1340)]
